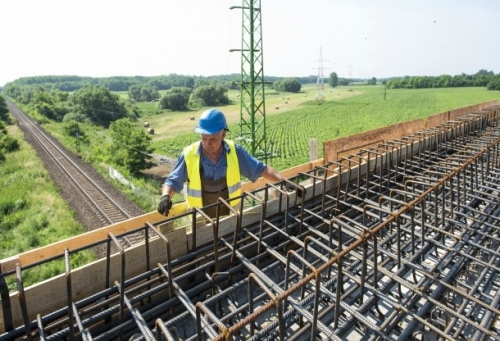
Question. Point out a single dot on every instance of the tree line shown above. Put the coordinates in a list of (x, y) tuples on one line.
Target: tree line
[(482, 78), (181, 92), (123, 83)]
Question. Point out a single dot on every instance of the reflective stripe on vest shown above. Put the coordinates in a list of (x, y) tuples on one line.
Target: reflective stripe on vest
[(194, 188)]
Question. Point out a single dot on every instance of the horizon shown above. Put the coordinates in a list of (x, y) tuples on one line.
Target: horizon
[(270, 76)]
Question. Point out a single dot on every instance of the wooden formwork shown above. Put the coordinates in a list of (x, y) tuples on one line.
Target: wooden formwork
[(335, 149), (50, 295)]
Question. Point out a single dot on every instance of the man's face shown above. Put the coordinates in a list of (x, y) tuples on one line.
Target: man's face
[(211, 143)]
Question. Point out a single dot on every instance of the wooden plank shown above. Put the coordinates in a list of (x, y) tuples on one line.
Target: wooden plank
[(8, 264), (338, 148), (435, 120), (313, 149), (178, 243), (47, 296), (456, 113), (288, 173), (335, 149), (58, 248)]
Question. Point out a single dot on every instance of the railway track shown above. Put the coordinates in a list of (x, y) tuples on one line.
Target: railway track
[(99, 202)]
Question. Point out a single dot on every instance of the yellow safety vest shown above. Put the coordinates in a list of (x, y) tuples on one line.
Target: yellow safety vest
[(194, 188)]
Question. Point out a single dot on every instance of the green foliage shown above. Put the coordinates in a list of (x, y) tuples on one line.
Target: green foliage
[(75, 130), (76, 117), (333, 81), (344, 81), (481, 79), (117, 83), (288, 85), (494, 83), (4, 111), (8, 144), (176, 99), (54, 112), (130, 146), (99, 105), (143, 93), (211, 95)]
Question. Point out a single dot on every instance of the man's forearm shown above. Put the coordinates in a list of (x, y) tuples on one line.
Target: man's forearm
[(167, 190), (272, 174)]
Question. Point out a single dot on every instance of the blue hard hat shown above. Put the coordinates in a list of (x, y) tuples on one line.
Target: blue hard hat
[(211, 122)]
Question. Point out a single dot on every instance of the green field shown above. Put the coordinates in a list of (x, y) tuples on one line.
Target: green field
[(344, 112)]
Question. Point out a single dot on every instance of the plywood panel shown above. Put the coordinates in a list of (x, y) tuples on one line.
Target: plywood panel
[(454, 114), (335, 149)]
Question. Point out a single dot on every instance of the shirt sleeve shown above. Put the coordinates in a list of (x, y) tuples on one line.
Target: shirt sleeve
[(250, 167), (178, 175)]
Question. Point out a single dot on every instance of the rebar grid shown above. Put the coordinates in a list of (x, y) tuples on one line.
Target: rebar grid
[(395, 242)]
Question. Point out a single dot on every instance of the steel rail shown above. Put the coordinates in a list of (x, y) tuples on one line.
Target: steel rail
[(50, 147)]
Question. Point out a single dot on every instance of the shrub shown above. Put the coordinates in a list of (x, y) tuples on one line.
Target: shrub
[(8, 144)]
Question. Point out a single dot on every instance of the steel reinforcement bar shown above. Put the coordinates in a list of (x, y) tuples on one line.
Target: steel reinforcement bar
[(401, 241)]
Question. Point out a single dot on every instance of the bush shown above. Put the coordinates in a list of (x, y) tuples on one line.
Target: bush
[(494, 84), (8, 144), (288, 85)]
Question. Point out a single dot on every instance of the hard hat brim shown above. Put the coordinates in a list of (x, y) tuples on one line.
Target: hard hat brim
[(200, 130)]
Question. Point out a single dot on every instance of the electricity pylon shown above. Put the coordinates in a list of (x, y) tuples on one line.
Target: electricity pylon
[(320, 86), (252, 86)]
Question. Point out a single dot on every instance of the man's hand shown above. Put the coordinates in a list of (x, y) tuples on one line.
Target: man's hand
[(165, 205)]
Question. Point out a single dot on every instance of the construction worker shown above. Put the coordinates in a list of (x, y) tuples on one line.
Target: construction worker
[(212, 168)]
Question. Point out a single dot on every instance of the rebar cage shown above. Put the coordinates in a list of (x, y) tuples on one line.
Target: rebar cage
[(399, 242)]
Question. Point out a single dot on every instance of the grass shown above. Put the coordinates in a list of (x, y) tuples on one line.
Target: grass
[(169, 125), (32, 212)]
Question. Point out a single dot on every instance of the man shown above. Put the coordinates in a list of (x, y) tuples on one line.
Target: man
[(212, 168)]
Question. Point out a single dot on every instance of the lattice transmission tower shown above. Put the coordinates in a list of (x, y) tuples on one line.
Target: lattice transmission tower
[(320, 86), (252, 86)]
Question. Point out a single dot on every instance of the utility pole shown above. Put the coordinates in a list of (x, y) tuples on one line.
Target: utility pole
[(320, 86), (77, 139), (252, 86), (350, 74)]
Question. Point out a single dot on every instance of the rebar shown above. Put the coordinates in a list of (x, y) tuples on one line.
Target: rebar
[(396, 242)]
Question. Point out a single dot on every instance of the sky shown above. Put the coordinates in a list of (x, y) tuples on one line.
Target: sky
[(354, 38)]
